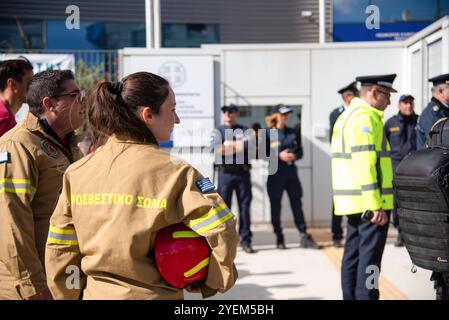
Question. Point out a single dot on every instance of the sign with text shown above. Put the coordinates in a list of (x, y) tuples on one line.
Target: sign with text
[(192, 79), (42, 62)]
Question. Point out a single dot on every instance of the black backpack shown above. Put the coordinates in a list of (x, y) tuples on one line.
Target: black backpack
[(421, 184)]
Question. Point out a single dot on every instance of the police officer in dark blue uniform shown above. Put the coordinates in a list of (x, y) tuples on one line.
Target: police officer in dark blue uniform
[(233, 167), (437, 108), (400, 132), (347, 94), (286, 177)]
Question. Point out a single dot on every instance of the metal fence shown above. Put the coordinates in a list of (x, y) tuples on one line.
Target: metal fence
[(105, 60)]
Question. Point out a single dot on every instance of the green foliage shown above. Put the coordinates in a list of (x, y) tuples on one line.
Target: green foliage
[(87, 76)]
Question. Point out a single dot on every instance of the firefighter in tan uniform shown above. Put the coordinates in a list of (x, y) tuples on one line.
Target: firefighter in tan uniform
[(33, 159), (113, 202)]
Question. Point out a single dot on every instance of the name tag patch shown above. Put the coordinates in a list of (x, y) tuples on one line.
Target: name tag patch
[(205, 185), (395, 129), (4, 157)]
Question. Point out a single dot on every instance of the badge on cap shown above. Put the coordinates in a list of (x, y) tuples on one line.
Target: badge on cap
[(50, 149), (4, 157), (205, 185)]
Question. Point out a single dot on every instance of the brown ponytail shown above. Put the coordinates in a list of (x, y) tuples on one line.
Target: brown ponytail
[(112, 107), (271, 120)]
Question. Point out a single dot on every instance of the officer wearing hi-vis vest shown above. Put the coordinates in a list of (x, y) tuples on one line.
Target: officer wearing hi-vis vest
[(231, 142), (437, 108), (362, 179)]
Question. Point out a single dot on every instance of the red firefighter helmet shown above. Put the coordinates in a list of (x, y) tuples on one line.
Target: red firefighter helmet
[(182, 255)]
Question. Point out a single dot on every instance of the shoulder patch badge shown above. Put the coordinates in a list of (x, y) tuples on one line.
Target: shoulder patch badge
[(4, 157), (366, 129), (205, 185), (50, 149), (394, 129)]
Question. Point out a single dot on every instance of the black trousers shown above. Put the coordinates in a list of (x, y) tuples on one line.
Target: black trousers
[(286, 178), (336, 228), (241, 183), (441, 285), (362, 257)]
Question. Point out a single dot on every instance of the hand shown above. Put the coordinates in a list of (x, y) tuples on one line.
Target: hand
[(379, 217), (229, 148), (287, 156), (43, 295), (193, 288)]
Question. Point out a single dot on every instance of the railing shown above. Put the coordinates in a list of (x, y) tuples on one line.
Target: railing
[(105, 60)]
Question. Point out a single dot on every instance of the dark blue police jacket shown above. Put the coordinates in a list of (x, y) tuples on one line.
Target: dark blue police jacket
[(400, 132), (216, 142), (434, 111), (287, 139), (333, 118)]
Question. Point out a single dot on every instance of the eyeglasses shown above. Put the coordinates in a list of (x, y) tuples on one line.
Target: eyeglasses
[(80, 95), (388, 94)]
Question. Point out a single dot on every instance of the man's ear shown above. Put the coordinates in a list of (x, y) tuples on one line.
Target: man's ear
[(11, 83), (47, 104)]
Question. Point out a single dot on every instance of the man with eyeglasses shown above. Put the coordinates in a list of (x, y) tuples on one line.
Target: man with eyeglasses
[(33, 158), (362, 182)]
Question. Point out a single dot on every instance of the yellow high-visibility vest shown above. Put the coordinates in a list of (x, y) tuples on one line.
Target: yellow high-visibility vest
[(362, 173)]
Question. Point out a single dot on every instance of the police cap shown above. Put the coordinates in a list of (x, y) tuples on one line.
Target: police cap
[(350, 87), (442, 78), (281, 108), (231, 108), (385, 81), (405, 97)]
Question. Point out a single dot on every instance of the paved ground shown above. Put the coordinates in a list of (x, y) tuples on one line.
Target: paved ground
[(314, 274)]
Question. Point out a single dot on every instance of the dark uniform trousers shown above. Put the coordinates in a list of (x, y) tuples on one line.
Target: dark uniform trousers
[(336, 228), (241, 183), (286, 178), (364, 247)]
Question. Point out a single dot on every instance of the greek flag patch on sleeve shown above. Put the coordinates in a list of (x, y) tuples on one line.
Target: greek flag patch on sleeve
[(205, 185), (4, 156), (366, 129)]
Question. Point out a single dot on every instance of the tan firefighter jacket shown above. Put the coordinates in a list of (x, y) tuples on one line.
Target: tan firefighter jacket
[(113, 202), (32, 163)]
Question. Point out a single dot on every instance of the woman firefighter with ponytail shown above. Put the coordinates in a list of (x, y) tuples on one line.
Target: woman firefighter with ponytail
[(116, 199)]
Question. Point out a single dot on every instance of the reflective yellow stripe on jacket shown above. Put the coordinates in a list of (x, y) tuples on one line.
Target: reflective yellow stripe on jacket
[(210, 220), (66, 236), (18, 186), (361, 165)]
